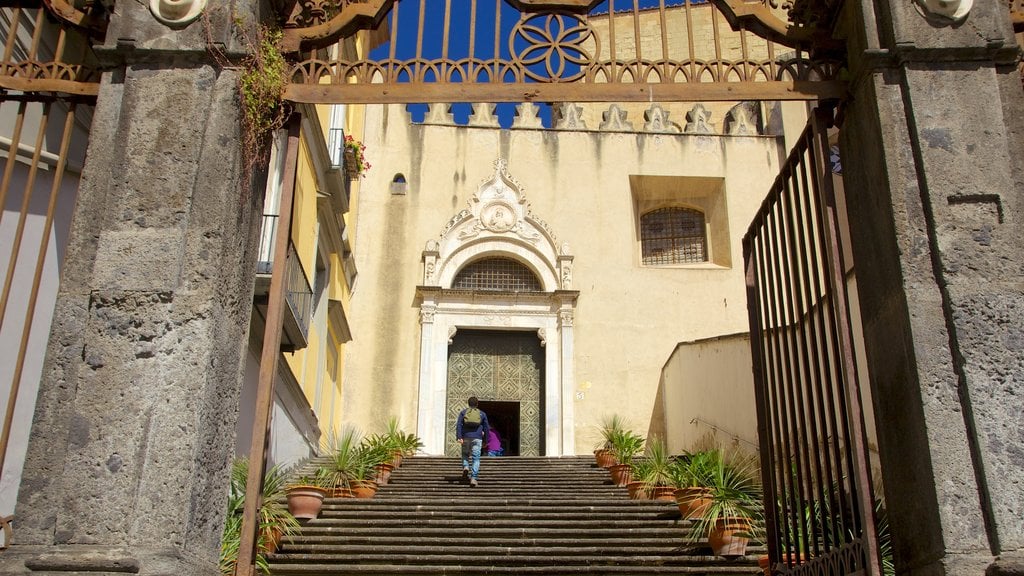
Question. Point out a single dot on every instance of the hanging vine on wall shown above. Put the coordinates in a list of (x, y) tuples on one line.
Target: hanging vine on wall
[(261, 86)]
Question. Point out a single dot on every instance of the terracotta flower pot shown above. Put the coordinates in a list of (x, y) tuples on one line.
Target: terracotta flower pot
[(604, 458), (728, 537), (636, 490), (621, 474), (383, 473), (271, 539), (663, 493), (304, 502), (342, 493), (764, 561), (364, 488), (693, 501)]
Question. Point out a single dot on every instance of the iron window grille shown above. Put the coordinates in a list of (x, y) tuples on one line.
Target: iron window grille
[(497, 274), (673, 236)]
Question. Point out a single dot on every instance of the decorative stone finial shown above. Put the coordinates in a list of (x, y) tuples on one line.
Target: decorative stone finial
[(483, 115), (656, 120), (570, 117), (738, 121), (439, 113), (698, 121), (176, 13), (615, 120), (527, 116)]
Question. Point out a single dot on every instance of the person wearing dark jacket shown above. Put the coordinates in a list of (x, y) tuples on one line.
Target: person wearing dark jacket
[(470, 432)]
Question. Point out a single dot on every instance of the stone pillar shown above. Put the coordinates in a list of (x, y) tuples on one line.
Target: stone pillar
[(934, 171), (129, 456)]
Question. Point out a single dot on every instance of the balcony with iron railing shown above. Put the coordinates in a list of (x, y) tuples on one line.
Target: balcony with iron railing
[(298, 293)]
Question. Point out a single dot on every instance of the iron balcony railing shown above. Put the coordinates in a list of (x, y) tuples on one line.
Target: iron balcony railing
[(298, 293)]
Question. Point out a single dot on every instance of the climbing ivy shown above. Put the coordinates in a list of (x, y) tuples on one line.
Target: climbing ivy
[(261, 85)]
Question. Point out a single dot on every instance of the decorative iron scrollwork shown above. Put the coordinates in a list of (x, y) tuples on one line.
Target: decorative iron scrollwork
[(558, 43), (91, 17), (310, 24)]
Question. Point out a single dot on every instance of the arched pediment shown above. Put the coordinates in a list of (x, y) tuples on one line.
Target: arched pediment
[(498, 222)]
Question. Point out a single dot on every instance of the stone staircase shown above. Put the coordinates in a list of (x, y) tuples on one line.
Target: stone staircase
[(528, 516)]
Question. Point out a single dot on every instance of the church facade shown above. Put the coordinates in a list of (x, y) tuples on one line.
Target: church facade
[(599, 249)]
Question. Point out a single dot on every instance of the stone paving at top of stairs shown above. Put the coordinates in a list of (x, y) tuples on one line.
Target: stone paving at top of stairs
[(546, 516)]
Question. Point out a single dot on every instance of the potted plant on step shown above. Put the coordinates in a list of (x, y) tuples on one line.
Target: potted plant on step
[(306, 494), (625, 445), (656, 471), (610, 426), (275, 522), (735, 513), (343, 457), (691, 476)]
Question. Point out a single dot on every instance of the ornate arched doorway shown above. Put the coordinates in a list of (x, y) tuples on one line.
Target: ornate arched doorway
[(497, 266)]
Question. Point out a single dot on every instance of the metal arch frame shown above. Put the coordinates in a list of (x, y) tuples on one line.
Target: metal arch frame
[(602, 75)]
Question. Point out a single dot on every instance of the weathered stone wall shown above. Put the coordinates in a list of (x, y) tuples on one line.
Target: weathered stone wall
[(133, 434), (935, 206)]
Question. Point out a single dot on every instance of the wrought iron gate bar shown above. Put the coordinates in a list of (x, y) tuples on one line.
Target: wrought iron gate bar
[(684, 52), (818, 495), (31, 65)]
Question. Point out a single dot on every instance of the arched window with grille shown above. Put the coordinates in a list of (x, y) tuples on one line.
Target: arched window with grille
[(497, 274), (673, 236)]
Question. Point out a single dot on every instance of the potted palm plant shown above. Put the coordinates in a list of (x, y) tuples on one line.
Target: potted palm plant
[(637, 488), (656, 471), (275, 522), (381, 449), (735, 513), (343, 455), (691, 476), (610, 426), (625, 445)]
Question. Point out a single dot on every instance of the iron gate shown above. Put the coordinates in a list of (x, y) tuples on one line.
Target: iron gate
[(47, 91), (819, 507)]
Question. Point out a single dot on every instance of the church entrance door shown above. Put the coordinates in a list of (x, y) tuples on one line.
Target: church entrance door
[(505, 370)]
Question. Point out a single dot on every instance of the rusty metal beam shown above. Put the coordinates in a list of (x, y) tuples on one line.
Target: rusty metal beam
[(64, 10), (268, 363), (49, 85), (322, 32), (691, 92)]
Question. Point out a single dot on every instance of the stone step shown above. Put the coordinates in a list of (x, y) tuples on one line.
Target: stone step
[(475, 566), (430, 515), (543, 516), (341, 539), (505, 559)]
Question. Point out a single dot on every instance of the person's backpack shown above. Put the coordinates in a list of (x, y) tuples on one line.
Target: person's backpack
[(471, 420)]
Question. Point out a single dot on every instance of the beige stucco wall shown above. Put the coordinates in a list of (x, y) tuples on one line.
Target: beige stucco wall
[(708, 394), (629, 317)]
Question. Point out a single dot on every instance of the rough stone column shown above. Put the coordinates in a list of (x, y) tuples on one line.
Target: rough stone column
[(134, 429), (934, 170)]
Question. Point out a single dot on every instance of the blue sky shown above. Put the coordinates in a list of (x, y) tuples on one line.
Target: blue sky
[(458, 45)]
